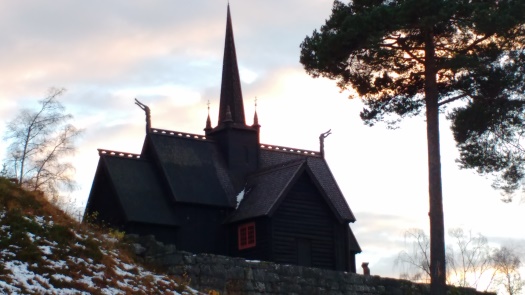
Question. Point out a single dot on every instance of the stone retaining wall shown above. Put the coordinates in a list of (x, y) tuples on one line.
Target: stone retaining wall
[(228, 275)]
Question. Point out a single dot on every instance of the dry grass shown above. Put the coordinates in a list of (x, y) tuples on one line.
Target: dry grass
[(65, 254)]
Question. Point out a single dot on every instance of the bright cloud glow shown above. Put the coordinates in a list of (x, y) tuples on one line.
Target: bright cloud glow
[(175, 94)]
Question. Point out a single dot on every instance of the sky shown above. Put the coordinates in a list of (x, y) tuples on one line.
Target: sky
[(168, 54)]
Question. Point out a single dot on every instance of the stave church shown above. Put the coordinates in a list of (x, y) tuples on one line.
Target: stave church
[(225, 193)]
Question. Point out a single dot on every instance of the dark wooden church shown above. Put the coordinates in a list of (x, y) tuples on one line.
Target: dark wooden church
[(226, 193)]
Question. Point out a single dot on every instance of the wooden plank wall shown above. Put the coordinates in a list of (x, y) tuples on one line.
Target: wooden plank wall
[(304, 216)]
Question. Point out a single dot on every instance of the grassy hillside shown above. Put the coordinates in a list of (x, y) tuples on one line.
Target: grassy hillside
[(44, 251)]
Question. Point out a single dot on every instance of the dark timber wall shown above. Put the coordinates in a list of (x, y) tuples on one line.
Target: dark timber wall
[(201, 229), (262, 250), (304, 229)]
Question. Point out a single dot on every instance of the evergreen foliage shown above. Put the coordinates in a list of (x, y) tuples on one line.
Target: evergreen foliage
[(403, 57)]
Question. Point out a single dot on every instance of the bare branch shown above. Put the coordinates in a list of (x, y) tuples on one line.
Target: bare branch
[(469, 261), (39, 140)]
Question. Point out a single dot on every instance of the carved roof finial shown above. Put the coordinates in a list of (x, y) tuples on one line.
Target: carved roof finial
[(148, 114), (321, 141), (255, 117), (208, 120)]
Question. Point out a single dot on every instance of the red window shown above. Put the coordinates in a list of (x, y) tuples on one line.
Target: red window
[(246, 233)]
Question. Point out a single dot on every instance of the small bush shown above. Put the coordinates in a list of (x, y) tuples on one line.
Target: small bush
[(60, 234)]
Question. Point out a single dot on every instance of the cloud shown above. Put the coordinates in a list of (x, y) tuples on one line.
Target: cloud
[(102, 42), (381, 237), (71, 44)]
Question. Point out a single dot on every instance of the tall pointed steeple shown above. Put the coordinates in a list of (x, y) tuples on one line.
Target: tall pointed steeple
[(231, 94), (238, 143)]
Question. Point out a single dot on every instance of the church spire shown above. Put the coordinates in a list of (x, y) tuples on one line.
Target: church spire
[(231, 94), (208, 120), (237, 142)]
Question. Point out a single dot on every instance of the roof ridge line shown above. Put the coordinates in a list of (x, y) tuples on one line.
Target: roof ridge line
[(104, 152), (290, 150), (179, 134)]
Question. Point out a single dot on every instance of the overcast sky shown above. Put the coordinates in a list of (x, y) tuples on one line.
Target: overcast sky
[(168, 54)]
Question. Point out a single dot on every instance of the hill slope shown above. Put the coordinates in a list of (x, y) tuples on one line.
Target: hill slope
[(44, 251)]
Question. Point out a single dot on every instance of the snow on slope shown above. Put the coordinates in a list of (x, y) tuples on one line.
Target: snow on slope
[(78, 263)]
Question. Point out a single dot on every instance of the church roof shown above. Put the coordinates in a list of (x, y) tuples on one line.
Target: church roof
[(194, 172), (264, 189), (138, 189), (192, 167), (279, 169)]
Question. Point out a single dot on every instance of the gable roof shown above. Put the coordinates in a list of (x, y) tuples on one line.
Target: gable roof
[(138, 190), (264, 189), (327, 181), (192, 167), (280, 167)]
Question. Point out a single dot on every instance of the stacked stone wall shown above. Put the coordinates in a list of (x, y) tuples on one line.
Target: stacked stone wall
[(227, 275)]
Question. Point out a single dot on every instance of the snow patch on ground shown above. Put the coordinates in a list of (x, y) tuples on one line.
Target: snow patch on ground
[(61, 274)]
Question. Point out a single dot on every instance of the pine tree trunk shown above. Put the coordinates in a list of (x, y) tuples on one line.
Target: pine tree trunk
[(437, 228)]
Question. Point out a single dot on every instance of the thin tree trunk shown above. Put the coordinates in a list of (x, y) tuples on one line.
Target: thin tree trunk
[(24, 153), (437, 230)]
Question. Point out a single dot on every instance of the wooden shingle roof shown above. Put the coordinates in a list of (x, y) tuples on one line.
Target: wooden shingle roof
[(264, 189), (186, 168), (279, 170), (139, 190), (192, 167)]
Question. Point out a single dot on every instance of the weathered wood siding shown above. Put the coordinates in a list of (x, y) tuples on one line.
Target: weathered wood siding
[(201, 229), (304, 218)]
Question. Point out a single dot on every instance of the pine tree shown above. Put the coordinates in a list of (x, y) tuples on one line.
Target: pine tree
[(408, 56)]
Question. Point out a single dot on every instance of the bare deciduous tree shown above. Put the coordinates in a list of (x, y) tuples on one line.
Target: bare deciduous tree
[(38, 143), (468, 259), (416, 260), (471, 261), (507, 264)]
